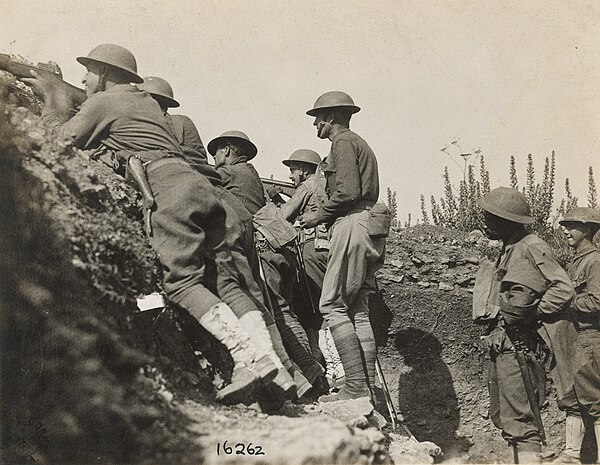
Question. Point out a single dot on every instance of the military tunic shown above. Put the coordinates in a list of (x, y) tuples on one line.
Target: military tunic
[(185, 132), (242, 180), (306, 198)]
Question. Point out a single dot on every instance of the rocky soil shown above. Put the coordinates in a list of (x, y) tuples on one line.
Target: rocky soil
[(94, 380)]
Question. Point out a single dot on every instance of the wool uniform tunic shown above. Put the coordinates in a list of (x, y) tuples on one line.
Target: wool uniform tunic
[(185, 132), (242, 180), (307, 198)]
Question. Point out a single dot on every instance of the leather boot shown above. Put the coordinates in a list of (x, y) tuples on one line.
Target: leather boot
[(574, 432), (232, 394), (222, 323)]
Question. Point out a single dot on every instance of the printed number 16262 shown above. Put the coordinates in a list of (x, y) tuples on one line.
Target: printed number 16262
[(239, 449)]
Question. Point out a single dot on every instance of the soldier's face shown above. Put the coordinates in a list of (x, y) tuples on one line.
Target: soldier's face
[(323, 125), (296, 174), (575, 233), (219, 157), (91, 80), (494, 227)]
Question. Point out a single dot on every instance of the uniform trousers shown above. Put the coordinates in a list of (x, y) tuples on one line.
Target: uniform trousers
[(188, 224), (354, 257), (509, 408), (280, 271), (587, 378)]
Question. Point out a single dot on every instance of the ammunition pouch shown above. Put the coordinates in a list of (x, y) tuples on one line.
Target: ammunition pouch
[(379, 222)]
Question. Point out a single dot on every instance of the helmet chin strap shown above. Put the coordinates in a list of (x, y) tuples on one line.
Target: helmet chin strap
[(102, 79)]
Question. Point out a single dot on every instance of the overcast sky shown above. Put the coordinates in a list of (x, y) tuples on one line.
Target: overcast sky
[(506, 77)]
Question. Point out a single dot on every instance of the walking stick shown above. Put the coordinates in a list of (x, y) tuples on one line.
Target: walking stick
[(389, 403)]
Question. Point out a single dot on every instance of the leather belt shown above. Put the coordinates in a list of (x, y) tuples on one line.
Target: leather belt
[(154, 164)]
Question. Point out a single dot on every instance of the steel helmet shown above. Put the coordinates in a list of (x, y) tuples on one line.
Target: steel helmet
[(115, 56), (160, 88), (303, 156), (507, 203), (582, 215), (239, 138), (333, 99)]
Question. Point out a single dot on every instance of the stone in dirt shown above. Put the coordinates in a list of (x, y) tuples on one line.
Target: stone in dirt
[(348, 410), (445, 286), (377, 420), (403, 449)]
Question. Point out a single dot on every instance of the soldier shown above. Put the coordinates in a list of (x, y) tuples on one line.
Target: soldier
[(354, 255), (183, 128), (580, 226), (525, 288), (314, 245), (232, 151), (186, 218)]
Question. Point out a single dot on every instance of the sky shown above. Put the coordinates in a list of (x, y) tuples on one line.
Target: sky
[(504, 77)]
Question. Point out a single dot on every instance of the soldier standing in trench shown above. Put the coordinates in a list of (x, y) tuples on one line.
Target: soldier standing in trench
[(314, 248), (186, 218), (356, 251), (526, 291), (580, 226)]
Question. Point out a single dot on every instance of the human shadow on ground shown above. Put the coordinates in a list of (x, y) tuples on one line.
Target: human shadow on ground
[(426, 393)]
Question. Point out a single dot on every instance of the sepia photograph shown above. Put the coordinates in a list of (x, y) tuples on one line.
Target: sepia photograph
[(299, 232)]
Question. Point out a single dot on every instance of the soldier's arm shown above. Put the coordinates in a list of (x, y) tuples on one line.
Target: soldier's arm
[(293, 207), (89, 122), (191, 137), (345, 191), (225, 174), (588, 300), (560, 292)]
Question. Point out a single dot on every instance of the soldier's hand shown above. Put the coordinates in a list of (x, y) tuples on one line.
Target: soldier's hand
[(42, 84), (310, 219), (52, 90)]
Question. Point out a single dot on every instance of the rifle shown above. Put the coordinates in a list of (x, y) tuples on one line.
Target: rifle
[(521, 354), (298, 251), (74, 95), (273, 187)]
